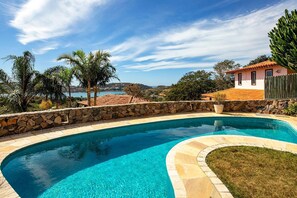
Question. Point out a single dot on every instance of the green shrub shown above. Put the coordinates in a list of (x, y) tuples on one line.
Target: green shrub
[(292, 109), (45, 104)]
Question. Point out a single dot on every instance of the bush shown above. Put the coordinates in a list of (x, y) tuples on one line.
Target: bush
[(45, 104), (291, 110), (191, 86), (134, 90)]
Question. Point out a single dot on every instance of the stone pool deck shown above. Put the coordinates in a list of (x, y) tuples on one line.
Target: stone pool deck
[(186, 165), (191, 176)]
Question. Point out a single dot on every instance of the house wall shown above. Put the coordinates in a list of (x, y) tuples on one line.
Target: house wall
[(260, 77)]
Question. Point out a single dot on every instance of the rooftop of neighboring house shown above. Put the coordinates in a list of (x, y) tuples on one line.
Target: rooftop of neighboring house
[(237, 94), (263, 64), (114, 100)]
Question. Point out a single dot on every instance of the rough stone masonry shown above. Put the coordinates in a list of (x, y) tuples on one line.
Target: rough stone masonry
[(29, 121)]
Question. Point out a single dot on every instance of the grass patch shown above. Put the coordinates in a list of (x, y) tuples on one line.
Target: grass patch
[(255, 172)]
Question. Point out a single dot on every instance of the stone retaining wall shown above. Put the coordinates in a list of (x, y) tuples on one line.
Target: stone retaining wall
[(24, 122)]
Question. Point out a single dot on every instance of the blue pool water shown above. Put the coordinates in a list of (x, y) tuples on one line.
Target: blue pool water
[(120, 162)]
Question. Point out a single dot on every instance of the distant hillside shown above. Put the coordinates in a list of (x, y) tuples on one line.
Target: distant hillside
[(110, 87)]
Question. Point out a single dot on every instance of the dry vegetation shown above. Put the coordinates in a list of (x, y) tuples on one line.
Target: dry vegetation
[(255, 172)]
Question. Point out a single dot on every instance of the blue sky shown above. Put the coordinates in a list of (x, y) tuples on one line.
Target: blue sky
[(151, 41)]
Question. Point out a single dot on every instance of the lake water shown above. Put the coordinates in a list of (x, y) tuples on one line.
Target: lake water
[(84, 94)]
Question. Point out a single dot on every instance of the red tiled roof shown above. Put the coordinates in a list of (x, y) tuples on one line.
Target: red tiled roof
[(263, 64), (237, 94), (113, 100)]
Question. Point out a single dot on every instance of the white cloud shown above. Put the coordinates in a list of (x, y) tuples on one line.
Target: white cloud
[(240, 38), (170, 65), (44, 49), (45, 19)]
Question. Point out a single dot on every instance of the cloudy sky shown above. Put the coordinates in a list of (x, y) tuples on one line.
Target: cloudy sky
[(152, 42)]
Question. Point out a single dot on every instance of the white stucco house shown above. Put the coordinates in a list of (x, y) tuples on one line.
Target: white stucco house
[(250, 81), (253, 76)]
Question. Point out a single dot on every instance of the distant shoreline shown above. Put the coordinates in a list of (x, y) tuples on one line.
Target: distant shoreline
[(83, 94), (78, 91)]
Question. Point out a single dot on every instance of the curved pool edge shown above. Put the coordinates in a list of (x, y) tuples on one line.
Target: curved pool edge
[(10, 144), (191, 176)]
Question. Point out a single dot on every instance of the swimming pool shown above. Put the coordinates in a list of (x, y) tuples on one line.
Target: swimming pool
[(120, 162)]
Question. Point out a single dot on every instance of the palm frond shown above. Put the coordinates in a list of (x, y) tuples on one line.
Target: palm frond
[(6, 83)]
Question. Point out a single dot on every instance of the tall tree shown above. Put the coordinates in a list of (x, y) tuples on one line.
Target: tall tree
[(51, 84), (5, 83), (134, 90), (83, 70), (66, 76), (223, 80), (91, 70), (21, 86), (259, 59), (283, 41), (191, 86), (104, 71)]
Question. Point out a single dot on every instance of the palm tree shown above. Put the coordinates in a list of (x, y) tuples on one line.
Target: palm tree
[(103, 71), (91, 70), (21, 86), (66, 76), (5, 86), (82, 69), (51, 84), (6, 83)]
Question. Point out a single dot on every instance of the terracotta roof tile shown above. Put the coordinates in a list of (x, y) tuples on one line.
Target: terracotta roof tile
[(114, 100), (267, 63), (238, 94)]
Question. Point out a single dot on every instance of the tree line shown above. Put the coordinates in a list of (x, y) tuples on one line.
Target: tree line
[(193, 84), (18, 90)]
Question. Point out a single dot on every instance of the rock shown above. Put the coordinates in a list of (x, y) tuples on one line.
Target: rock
[(12, 121), (107, 117), (49, 122), (3, 132), (71, 113), (3, 124), (20, 129), (58, 120), (31, 123), (43, 117), (38, 120), (49, 116), (78, 113), (36, 127), (22, 123), (28, 128), (157, 111), (43, 125)]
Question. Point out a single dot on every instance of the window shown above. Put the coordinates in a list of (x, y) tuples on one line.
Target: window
[(253, 78), (240, 79), (268, 72)]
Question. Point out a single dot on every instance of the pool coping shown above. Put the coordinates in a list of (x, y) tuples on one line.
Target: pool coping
[(9, 144), (190, 174)]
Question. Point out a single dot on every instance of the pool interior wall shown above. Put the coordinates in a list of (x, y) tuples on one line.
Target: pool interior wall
[(121, 162)]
